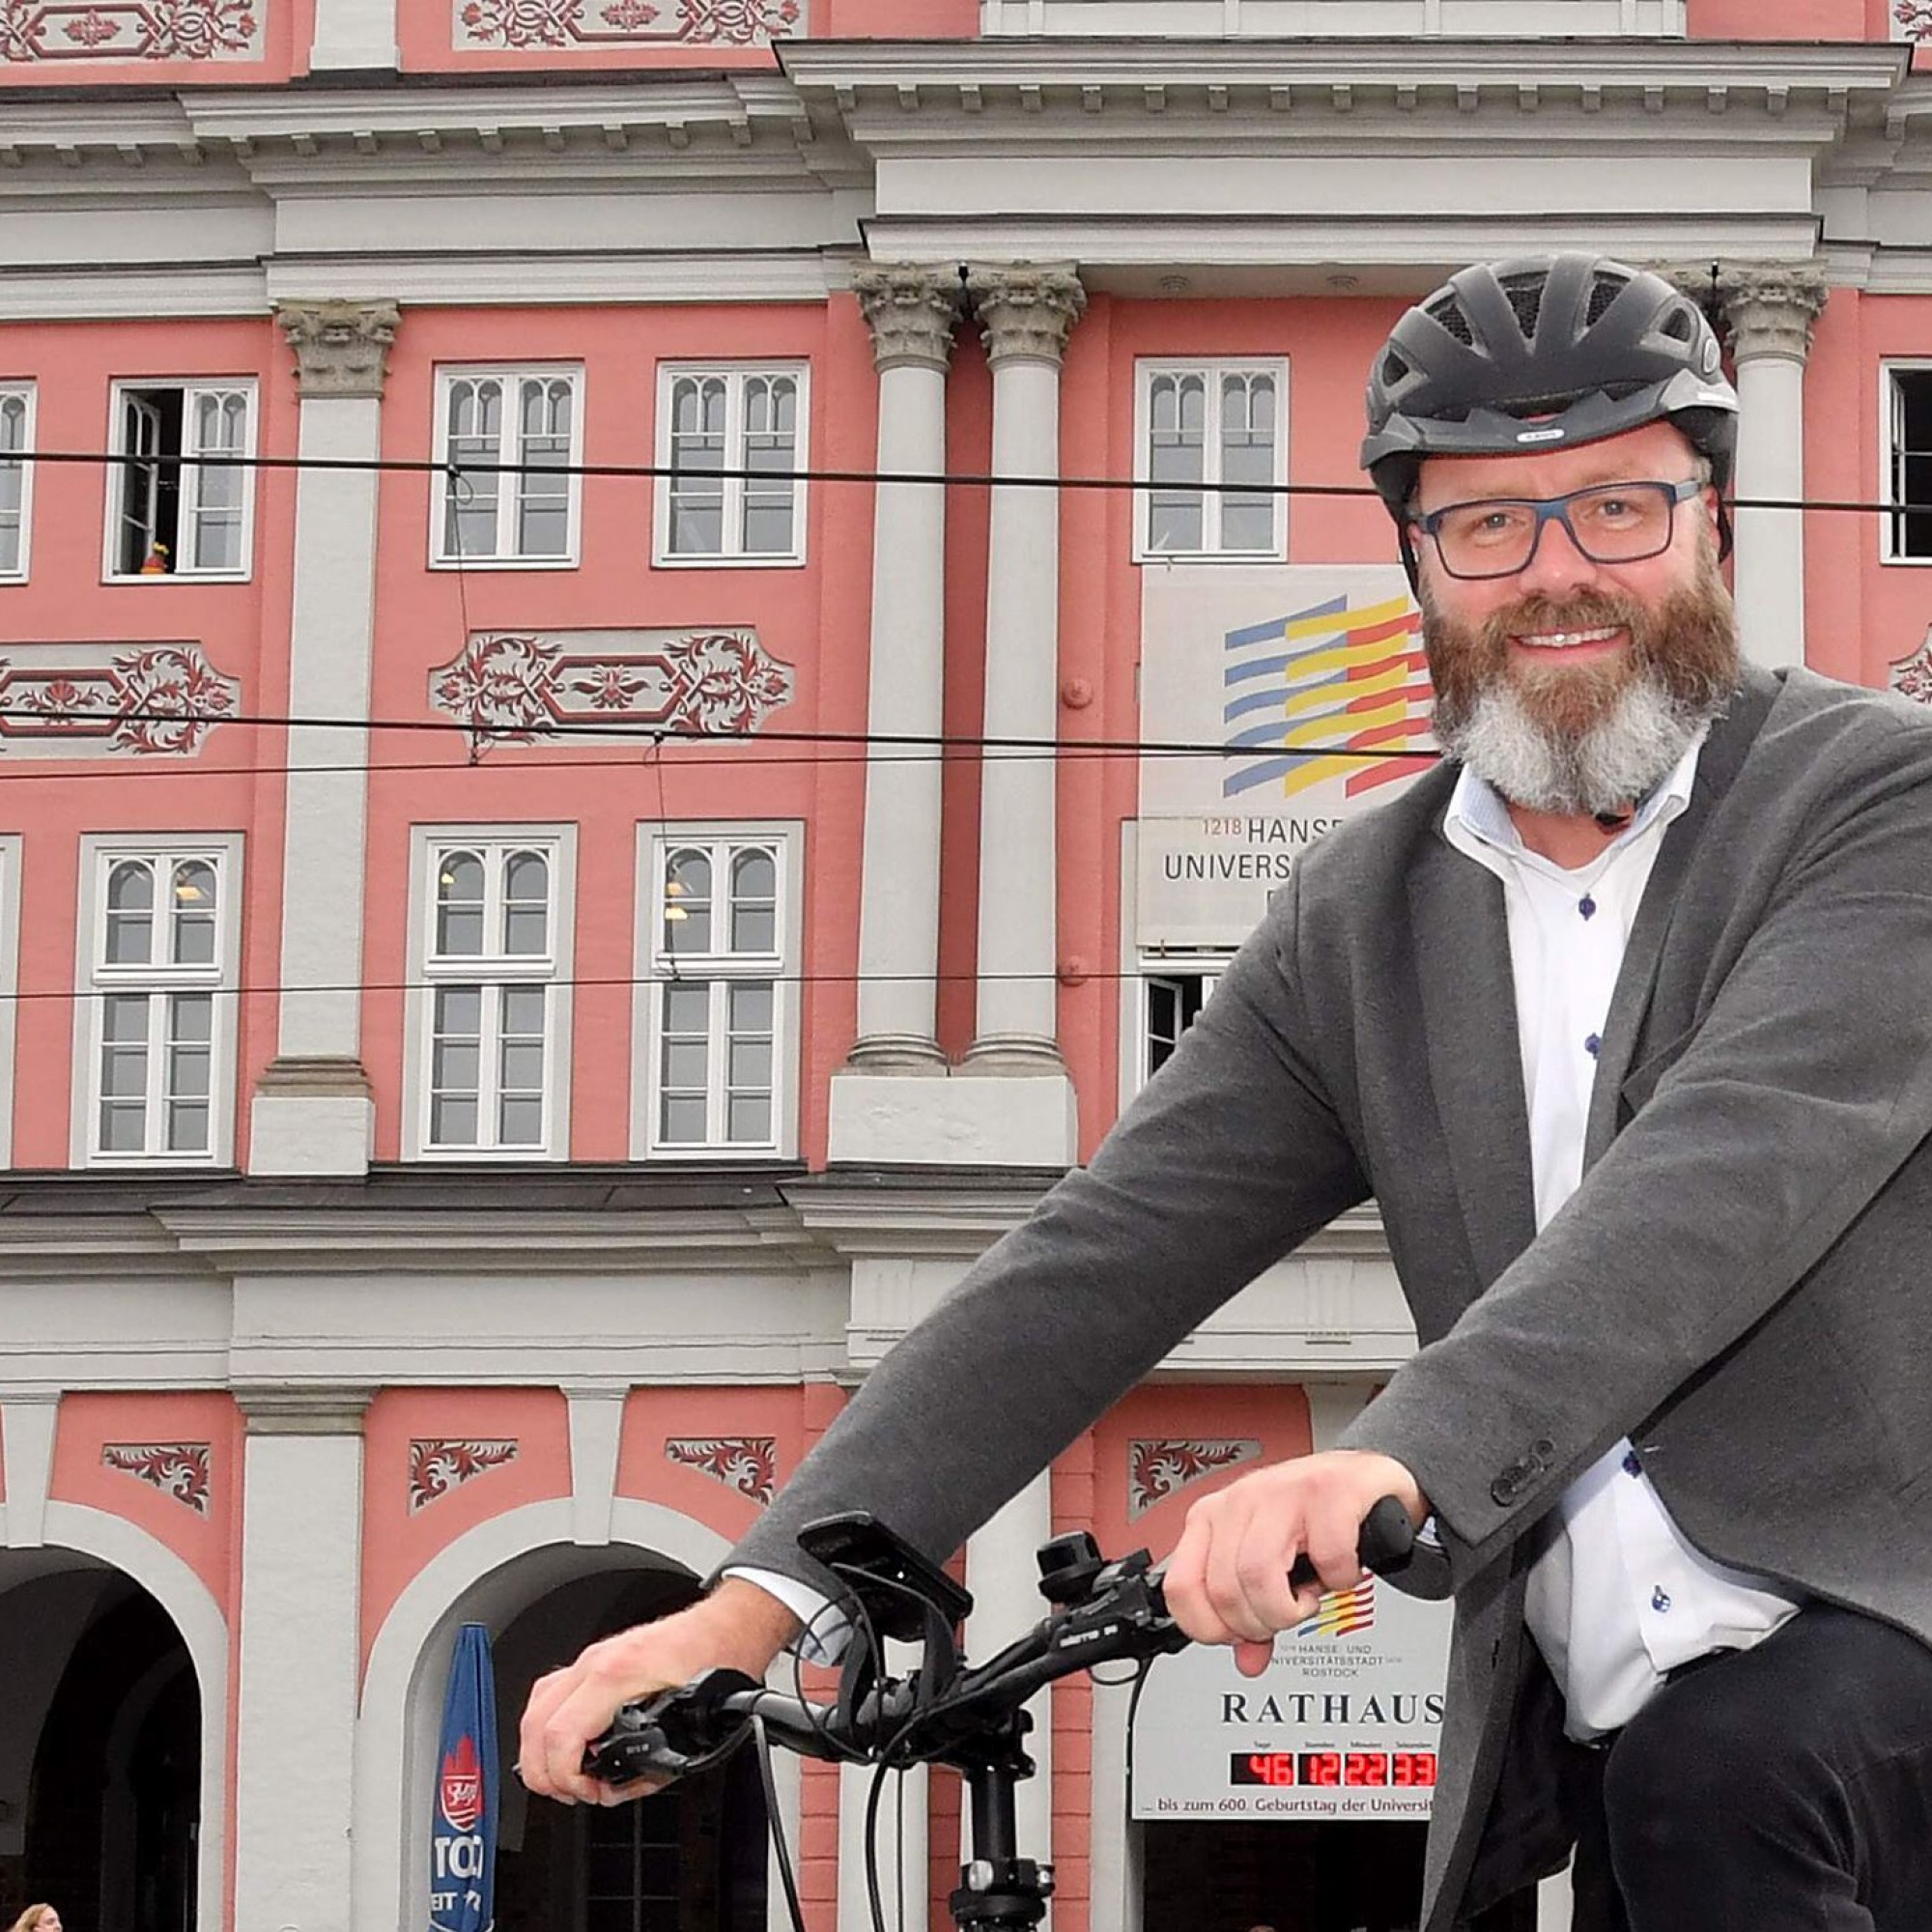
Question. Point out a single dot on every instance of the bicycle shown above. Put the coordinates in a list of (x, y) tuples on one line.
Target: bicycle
[(942, 1711)]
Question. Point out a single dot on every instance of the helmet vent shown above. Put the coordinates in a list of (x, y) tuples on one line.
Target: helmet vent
[(1603, 290), (1394, 368), (1525, 299), (1679, 324), (1449, 313)]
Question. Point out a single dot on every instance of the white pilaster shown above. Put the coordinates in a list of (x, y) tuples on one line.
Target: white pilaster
[(312, 1111), (1770, 312), (1026, 315), (1003, 1577), (902, 1840), (910, 312), (27, 1421), (302, 1555), (354, 34), (1332, 1404)]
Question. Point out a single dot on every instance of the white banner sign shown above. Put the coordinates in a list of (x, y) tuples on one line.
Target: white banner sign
[(1308, 684), (1344, 1722)]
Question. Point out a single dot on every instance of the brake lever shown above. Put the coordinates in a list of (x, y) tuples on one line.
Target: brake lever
[(673, 1734)]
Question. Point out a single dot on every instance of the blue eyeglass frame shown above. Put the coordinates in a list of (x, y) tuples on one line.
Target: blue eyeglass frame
[(1557, 510)]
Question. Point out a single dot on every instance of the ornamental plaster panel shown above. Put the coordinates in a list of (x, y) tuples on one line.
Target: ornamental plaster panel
[(1162, 1466), (97, 700), (745, 1463), (179, 1469), (511, 688), (50, 33), (607, 26), (438, 1466)]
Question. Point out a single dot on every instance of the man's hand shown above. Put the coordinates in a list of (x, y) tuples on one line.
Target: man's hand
[(738, 1627), (1227, 1581)]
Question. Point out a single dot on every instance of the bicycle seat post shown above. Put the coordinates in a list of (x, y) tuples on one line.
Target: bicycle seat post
[(999, 1891)]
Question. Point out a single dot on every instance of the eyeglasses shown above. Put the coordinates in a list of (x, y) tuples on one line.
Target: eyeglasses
[(1609, 523)]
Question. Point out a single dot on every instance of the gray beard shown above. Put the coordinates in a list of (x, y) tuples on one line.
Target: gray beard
[(1612, 764)]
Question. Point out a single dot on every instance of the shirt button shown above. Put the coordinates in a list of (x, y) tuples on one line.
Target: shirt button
[(1594, 1045), (1586, 905), (1632, 1467), (1659, 1598)]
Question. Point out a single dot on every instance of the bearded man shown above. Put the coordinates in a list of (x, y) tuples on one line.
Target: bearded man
[(1621, 1017)]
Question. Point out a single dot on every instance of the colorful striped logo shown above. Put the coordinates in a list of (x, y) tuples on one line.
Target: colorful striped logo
[(1341, 1612), (1337, 677)]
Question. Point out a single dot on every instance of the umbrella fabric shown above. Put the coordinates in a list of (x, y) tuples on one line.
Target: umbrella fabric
[(463, 1829)]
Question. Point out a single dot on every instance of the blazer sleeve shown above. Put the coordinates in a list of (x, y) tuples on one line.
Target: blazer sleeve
[(1231, 1156), (1772, 1123)]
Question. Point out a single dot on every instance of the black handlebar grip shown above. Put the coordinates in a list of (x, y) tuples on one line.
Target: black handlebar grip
[(1387, 1537)]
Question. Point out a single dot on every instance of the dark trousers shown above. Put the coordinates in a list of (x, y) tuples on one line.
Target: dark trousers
[(1786, 1788)]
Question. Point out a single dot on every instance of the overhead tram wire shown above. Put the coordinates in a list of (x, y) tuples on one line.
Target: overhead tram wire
[(424, 466)]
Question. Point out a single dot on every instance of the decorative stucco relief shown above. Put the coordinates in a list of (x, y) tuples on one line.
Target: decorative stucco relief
[(43, 32), (1912, 677), (598, 26), (178, 1470), (520, 688), (438, 1465), (1161, 1467), (747, 1463), (79, 700)]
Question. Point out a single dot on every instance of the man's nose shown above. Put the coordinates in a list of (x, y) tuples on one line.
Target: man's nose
[(1557, 564)]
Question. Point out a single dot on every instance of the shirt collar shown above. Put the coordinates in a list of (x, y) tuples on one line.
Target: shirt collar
[(1478, 814)]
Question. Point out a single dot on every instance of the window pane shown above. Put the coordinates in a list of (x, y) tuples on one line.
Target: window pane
[(697, 444), (124, 1017), (684, 1064), (458, 905), (122, 1126), (1176, 453), (12, 481), (682, 1119), (470, 496), (1247, 456), (526, 905), (770, 452), (130, 904), (749, 1065), (522, 1066), (192, 1017), (749, 1118), (686, 902), (754, 884), (188, 1127), (188, 1073), (452, 1121), (524, 1011), (459, 1012), (454, 1065), (194, 890), (519, 1120), (687, 1008), (543, 500), (751, 1006)]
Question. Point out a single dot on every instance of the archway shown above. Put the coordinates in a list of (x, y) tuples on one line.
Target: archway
[(542, 1595), (100, 1748)]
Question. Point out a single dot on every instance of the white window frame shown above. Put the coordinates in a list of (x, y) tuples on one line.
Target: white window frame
[(429, 972), (26, 394), (1889, 426), (194, 388), (657, 971), (511, 375), (95, 979), (732, 555), (1148, 370), (1205, 966)]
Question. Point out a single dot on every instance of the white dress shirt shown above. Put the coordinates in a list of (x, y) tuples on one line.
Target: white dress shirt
[(1620, 1597)]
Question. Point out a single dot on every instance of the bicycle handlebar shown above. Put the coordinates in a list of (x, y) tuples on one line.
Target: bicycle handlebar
[(1121, 1614)]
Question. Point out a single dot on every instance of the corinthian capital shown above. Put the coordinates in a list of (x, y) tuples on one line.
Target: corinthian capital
[(342, 348), (910, 312), (1771, 307), (1026, 313)]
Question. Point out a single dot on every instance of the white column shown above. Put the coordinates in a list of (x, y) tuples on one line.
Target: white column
[(902, 1855), (312, 1111), (910, 312), (1770, 311), (1003, 1577), (301, 1558), (1026, 315), (354, 34)]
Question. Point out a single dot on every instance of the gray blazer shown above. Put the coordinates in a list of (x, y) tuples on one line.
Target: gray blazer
[(1739, 1284)]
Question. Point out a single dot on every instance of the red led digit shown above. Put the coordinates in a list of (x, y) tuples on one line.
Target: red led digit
[(1320, 1767), (1366, 1768), (1271, 1768), (1416, 1768)]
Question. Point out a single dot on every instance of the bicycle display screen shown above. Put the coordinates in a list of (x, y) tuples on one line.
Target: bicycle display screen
[(1406, 1770)]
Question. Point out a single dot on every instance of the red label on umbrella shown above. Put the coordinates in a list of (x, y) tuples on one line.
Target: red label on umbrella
[(463, 1785)]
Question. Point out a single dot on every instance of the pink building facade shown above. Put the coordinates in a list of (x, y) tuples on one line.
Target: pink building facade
[(522, 973)]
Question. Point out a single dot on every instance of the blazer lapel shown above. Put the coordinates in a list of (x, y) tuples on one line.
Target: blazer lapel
[(1475, 1063), (1717, 764)]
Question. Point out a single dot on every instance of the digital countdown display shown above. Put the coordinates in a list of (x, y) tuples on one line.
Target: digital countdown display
[(1405, 1769)]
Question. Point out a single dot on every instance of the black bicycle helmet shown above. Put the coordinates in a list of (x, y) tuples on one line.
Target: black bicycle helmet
[(1587, 346)]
